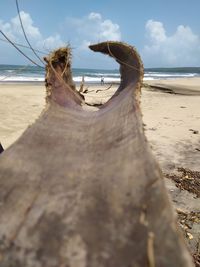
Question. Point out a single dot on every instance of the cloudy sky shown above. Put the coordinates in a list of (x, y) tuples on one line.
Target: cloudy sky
[(165, 33)]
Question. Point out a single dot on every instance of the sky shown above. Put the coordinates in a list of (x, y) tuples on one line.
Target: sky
[(165, 33)]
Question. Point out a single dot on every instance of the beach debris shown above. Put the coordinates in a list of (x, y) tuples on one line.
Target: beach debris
[(187, 221), (186, 180), (196, 258), (190, 236), (194, 131), (145, 85), (85, 91), (82, 85), (77, 182), (162, 88), (88, 91), (99, 90)]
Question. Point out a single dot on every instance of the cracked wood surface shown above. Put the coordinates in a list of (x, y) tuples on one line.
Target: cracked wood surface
[(81, 188)]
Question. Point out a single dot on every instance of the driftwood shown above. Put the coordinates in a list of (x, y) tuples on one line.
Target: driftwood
[(81, 89), (81, 188)]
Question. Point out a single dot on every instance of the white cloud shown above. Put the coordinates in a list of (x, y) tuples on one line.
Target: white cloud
[(179, 49), (13, 30), (6, 28), (50, 42), (84, 45), (93, 28), (94, 16), (156, 31), (109, 31), (79, 32), (30, 29)]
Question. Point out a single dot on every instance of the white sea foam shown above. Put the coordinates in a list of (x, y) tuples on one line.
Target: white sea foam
[(21, 79), (96, 79), (41, 79), (99, 74), (167, 75), (148, 79), (89, 79), (33, 74)]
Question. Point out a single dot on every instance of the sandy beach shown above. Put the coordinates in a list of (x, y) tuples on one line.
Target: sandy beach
[(171, 116), (173, 122)]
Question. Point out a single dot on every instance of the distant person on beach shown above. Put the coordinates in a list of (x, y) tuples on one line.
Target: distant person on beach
[(1, 148), (102, 80)]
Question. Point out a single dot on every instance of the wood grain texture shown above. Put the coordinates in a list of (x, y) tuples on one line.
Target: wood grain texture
[(81, 188)]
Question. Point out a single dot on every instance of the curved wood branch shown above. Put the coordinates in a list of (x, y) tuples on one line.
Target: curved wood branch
[(82, 189)]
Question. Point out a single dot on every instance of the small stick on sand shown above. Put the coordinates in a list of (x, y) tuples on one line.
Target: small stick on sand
[(82, 85), (99, 90)]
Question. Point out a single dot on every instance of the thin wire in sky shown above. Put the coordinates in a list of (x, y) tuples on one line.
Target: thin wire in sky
[(25, 36), (19, 50)]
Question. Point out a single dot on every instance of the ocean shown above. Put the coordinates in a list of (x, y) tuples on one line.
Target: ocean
[(15, 73)]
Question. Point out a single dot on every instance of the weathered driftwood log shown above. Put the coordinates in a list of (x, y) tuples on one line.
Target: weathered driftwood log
[(81, 188)]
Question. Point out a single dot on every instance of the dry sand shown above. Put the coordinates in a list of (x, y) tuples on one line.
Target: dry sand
[(171, 115), (172, 121), (20, 105)]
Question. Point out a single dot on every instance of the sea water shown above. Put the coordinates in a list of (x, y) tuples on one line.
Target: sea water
[(16, 73)]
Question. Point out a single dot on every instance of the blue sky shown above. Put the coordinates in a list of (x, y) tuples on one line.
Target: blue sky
[(165, 33)]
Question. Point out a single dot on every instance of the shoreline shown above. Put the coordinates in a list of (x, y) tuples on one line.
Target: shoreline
[(176, 85)]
